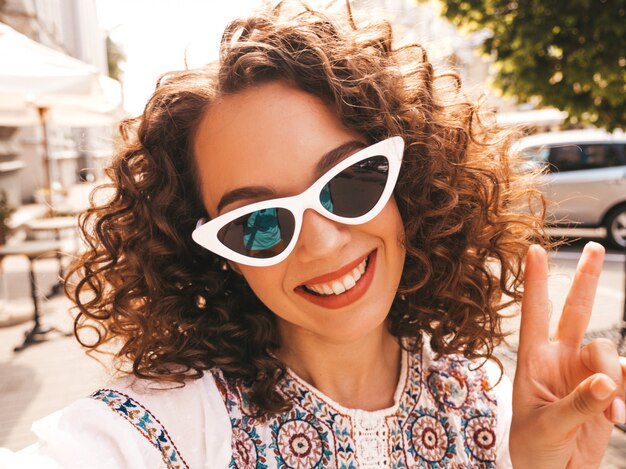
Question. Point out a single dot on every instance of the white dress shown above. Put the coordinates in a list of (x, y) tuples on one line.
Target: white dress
[(446, 413)]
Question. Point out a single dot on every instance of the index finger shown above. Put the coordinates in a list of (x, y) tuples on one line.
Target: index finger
[(535, 321)]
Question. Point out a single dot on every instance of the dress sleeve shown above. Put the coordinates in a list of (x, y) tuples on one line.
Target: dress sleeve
[(504, 395), (84, 434), (134, 424)]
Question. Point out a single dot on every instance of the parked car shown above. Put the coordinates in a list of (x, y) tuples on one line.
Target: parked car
[(585, 178)]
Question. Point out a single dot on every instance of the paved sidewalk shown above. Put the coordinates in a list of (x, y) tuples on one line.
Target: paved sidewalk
[(46, 376), (50, 375)]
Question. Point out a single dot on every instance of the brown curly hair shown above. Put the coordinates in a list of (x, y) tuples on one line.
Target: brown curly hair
[(177, 312)]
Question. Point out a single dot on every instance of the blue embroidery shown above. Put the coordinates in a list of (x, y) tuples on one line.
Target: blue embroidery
[(445, 418), (146, 423)]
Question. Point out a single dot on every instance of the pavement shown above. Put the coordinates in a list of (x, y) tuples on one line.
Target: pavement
[(50, 375)]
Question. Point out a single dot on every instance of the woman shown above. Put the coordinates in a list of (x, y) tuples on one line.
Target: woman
[(303, 266)]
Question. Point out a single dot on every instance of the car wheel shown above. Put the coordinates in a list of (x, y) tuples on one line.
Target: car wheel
[(616, 227)]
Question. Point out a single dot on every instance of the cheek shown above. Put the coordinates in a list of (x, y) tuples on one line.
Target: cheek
[(391, 230), (389, 225), (265, 282)]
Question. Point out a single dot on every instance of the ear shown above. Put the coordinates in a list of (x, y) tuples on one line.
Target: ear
[(234, 267)]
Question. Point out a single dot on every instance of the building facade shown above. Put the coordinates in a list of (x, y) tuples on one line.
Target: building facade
[(71, 27)]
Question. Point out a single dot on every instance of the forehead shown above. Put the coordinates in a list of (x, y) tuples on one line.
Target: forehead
[(271, 135)]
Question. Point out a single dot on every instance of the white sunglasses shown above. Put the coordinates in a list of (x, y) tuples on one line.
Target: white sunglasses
[(352, 192)]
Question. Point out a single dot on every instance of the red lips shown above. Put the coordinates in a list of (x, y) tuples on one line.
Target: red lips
[(337, 274), (347, 297)]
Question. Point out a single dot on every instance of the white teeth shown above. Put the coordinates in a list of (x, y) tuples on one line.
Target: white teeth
[(341, 285), (338, 288), (348, 282)]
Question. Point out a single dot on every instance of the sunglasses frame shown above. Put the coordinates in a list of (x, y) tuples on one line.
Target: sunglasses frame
[(205, 234)]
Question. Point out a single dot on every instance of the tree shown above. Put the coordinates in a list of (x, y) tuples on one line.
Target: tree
[(115, 57), (570, 54), (5, 215)]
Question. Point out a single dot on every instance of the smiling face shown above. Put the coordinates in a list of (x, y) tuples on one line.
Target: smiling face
[(270, 140)]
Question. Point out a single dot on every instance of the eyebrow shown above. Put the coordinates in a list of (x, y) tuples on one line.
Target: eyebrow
[(327, 161)]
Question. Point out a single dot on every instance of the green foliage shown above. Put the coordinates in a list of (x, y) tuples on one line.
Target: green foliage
[(5, 213), (115, 57), (571, 54)]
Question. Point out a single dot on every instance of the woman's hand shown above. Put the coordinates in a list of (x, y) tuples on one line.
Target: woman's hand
[(565, 398)]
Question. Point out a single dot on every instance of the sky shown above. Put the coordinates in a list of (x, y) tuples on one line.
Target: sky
[(156, 34)]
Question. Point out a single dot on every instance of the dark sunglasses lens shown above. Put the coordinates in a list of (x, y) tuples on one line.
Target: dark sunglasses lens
[(262, 234), (356, 190)]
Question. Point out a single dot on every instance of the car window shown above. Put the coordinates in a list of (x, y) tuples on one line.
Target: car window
[(618, 153), (585, 156), (566, 158), (575, 157)]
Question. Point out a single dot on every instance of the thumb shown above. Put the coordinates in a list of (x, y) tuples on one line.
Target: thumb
[(590, 398)]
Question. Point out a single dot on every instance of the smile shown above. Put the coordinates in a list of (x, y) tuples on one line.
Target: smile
[(342, 287), (343, 284)]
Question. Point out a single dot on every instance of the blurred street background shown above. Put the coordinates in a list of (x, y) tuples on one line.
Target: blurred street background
[(70, 70)]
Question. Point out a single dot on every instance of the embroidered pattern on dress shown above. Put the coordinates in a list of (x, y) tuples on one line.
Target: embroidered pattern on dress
[(481, 438), (458, 388), (430, 439), (301, 441), (444, 417), (145, 422)]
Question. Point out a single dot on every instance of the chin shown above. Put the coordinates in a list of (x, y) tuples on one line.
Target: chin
[(353, 327)]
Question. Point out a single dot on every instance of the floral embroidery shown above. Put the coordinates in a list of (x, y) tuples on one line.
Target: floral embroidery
[(395, 445), (444, 417), (245, 453), (299, 444), (481, 438), (146, 423), (431, 439), (447, 388), (300, 440), (247, 437)]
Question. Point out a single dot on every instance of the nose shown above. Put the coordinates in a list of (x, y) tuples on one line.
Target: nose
[(320, 237)]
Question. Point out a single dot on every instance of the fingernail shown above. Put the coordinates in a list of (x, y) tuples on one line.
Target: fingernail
[(593, 245), (618, 411), (602, 388)]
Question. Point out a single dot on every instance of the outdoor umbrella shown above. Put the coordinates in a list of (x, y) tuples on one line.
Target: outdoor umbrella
[(42, 86)]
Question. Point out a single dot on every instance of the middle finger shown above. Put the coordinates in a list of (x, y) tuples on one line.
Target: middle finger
[(578, 305)]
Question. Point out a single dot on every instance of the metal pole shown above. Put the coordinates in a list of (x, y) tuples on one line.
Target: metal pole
[(46, 154)]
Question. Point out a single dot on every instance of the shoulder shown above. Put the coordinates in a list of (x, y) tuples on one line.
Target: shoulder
[(136, 423), (180, 421)]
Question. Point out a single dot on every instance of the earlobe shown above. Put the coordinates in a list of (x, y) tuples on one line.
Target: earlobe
[(234, 267)]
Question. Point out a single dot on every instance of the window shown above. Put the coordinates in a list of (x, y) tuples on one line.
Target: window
[(565, 158), (585, 156)]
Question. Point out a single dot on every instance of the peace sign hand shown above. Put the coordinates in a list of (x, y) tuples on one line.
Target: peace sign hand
[(565, 398)]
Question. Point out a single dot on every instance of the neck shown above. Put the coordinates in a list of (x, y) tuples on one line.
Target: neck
[(360, 374)]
